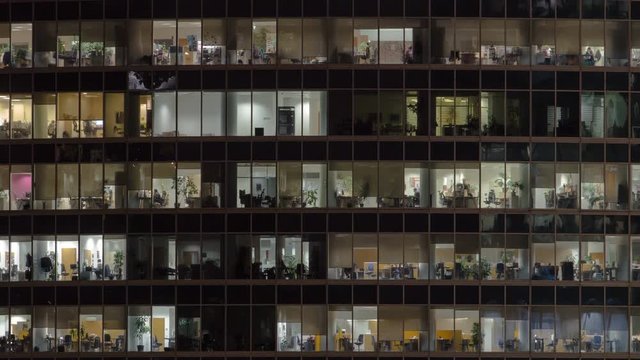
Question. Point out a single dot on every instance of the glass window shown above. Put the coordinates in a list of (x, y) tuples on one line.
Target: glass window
[(44, 253), (242, 182), (442, 42), (188, 257), (543, 257), (592, 262), (139, 328), (91, 115), (21, 261), (289, 185), (115, 186), (289, 41), (592, 187), (114, 115), (5, 130), (239, 113), (264, 117), (391, 187), (239, 41), (314, 185), (20, 184), (91, 259), (213, 113), (392, 43), (290, 328), (44, 115), (263, 185), (264, 41), (593, 52), (543, 42), (67, 182), (68, 45), (492, 49), (188, 185), (164, 185), (341, 190), (189, 42), (366, 112), (189, 113), (416, 187), (516, 257), (290, 113), (635, 329), (592, 119), (416, 41), (492, 113), (114, 329), (617, 258), (5, 188), (214, 44), (341, 43), (46, 47), (314, 41), (516, 329), (391, 112), (164, 114), (616, 111), (543, 332), (91, 186), (635, 187), (493, 256), (20, 327), (67, 258), (442, 185), (21, 116), (68, 115), (567, 42), (443, 333), (92, 45), (568, 258), (567, 180), (442, 257), (468, 265), (518, 49), (492, 325), (115, 43), (340, 319), (467, 39), (90, 328), (139, 185), (341, 264), (164, 42), (5, 45), (114, 258), (44, 187), (67, 327), (591, 328), (44, 331), (314, 113), (164, 258), (617, 41), (365, 183), (238, 256), (616, 190), (542, 186), (140, 48), (212, 267), (21, 45), (212, 185), (416, 113)]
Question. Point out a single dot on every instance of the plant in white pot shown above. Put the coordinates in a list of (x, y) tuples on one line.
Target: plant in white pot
[(141, 328)]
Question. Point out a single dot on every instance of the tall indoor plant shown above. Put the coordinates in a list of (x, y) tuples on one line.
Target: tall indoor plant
[(141, 328)]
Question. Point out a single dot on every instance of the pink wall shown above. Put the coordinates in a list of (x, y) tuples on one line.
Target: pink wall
[(20, 184)]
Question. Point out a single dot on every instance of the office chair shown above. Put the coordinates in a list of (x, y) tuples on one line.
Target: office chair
[(596, 343), (500, 270), (107, 342), (67, 342), (359, 342)]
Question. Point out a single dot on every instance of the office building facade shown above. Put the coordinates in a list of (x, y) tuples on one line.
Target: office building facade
[(320, 179)]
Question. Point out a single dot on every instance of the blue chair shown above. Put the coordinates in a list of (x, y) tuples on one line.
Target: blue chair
[(596, 344)]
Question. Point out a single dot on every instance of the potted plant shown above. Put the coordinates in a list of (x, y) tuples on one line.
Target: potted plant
[(141, 328), (118, 262), (186, 188), (476, 336), (310, 197), (363, 192)]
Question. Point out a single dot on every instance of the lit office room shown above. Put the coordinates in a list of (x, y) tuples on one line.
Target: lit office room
[(442, 254), (352, 328), (455, 330), (44, 330), (302, 328), (151, 328), (403, 329)]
